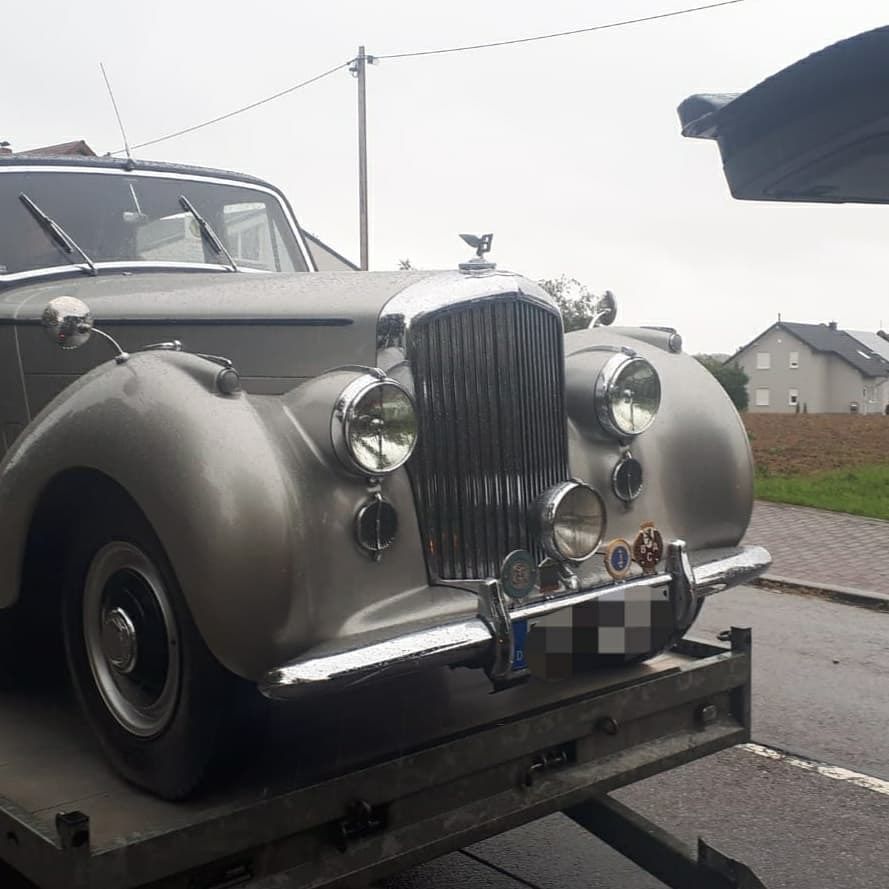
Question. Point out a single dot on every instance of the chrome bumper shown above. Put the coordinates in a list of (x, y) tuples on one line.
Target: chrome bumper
[(487, 638)]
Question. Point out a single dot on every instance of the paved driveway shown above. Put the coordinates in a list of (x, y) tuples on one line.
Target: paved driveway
[(828, 548)]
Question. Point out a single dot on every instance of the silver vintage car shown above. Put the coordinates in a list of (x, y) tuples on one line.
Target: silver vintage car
[(225, 473)]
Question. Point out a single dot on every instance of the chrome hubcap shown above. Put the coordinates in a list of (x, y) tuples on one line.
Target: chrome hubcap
[(131, 639), (119, 640)]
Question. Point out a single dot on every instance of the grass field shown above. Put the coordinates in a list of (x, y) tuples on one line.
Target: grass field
[(829, 461)]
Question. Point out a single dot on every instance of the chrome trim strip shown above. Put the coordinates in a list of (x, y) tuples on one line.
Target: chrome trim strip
[(543, 607), (475, 641), (440, 645), (161, 174), (199, 321), (127, 264), (740, 567)]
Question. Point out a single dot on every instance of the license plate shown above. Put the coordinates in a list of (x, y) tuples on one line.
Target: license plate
[(519, 635)]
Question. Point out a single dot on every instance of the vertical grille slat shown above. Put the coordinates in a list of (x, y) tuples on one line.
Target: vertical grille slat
[(489, 380)]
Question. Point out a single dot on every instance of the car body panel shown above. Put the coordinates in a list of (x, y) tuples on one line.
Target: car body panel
[(269, 325)]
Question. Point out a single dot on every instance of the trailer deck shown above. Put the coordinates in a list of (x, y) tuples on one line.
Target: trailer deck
[(338, 796)]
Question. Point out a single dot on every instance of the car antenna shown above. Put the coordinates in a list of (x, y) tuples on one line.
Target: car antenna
[(123, 133)]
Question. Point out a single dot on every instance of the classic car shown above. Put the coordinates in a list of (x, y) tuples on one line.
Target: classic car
[(228, 474)]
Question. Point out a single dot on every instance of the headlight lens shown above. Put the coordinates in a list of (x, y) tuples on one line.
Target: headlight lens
[(572, 521), (375, 426), (628, 395)]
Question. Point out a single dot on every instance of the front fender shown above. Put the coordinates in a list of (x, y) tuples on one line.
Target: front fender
[(696, 459), (205, 472)]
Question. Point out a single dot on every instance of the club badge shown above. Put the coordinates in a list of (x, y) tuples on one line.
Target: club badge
[(518, 574), (618, 558), (648, 548)]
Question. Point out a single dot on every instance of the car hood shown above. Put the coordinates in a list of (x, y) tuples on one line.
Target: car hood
[(277, 329), (817, 131)]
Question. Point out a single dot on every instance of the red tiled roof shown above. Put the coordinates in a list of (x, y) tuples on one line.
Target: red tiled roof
[(78, 147)]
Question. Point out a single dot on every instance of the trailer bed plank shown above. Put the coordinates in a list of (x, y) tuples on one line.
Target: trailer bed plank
[(50, 763)]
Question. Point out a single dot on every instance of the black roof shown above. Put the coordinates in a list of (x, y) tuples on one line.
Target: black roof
[(123, 163), (824, 338)]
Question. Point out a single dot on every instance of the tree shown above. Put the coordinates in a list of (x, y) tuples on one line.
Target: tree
[(731, 377), (576, 302)]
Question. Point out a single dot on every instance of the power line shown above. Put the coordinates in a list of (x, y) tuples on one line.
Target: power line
[(605, 27), (432, 52), (241, 110)]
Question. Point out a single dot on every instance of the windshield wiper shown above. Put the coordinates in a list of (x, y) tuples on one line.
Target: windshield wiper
[(208, 234), (57, 233)]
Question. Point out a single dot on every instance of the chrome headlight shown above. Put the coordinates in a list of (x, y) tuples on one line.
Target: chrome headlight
[(374, 425), (571, 517), (628, 395)]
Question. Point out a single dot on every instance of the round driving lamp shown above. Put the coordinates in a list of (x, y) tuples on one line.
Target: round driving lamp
[(374, 426), (628, 395), (571, 518)]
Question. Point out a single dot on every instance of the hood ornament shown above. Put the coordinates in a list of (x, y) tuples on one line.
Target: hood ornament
[(482, 245)]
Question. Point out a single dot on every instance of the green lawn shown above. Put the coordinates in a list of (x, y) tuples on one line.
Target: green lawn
[(862, 490)]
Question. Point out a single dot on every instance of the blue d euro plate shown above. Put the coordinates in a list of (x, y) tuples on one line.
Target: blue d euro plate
[(519, 635)]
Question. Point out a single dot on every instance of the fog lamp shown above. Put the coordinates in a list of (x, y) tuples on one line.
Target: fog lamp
[(571, 519)]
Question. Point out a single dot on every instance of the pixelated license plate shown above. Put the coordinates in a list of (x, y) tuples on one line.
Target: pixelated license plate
[(619, 627)]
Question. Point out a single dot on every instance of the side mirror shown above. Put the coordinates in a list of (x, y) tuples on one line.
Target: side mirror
[(606, 310), (67, 321)]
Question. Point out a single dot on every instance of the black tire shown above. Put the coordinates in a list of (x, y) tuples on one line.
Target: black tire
[(8, 649), (25, 664), (177, 717)]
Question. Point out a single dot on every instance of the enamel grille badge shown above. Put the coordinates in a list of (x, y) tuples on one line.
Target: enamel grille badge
[(648, 548), (618, 558), (518, 574)]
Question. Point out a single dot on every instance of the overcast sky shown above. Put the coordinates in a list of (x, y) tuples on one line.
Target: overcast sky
[(568, 149)]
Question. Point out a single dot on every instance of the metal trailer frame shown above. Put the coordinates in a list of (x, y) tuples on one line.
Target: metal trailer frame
[(373, 822)]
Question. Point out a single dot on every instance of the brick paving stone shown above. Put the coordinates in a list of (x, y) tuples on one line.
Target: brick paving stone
[(827, 548)]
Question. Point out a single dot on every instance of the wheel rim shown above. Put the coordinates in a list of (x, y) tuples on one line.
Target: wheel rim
[(131, 641)]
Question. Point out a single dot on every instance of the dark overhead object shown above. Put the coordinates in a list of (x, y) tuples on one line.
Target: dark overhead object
[(816, 131)]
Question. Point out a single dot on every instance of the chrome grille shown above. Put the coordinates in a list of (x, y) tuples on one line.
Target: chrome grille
[(489, 380)]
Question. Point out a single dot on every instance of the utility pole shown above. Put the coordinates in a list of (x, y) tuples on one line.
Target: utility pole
[(359, 69)]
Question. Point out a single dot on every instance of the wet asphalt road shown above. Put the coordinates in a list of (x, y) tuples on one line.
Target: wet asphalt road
[(821, 691)]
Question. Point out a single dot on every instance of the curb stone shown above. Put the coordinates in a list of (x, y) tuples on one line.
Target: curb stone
[(847, 595)]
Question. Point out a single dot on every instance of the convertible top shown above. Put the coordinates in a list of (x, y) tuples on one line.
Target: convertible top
[(817, 131)]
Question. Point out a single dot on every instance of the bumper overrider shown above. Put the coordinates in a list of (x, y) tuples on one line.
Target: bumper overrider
[(488, 639)]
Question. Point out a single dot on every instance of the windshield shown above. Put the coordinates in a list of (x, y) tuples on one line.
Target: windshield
[(139, 218)]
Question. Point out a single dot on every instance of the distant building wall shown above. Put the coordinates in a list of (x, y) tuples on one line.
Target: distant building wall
[(845, 388), (808, 380)]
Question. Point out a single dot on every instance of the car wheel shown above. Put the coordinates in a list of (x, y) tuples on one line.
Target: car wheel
[(166, 712), (8, 649)]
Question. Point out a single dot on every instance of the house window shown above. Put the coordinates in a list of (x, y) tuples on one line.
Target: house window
[(763, 360), (794, 359), (762, 397), (793, 397)]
